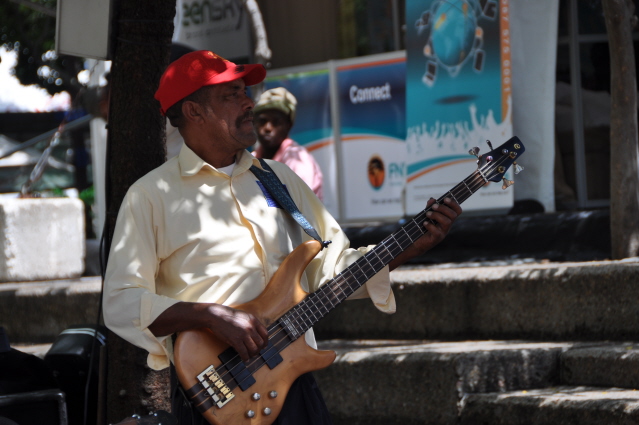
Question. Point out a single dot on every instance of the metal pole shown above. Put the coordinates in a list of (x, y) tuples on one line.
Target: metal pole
[(577, 107), (31, 142)]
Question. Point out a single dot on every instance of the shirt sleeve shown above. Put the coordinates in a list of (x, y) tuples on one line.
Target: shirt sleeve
[(339, 255), (130, 302)]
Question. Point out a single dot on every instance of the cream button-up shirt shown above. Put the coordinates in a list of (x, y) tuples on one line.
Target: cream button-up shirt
[(188, 232)]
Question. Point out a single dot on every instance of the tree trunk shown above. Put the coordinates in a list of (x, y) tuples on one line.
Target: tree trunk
[(141, 35), (624, 146)]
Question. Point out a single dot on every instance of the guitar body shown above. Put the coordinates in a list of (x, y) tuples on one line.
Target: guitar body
[(196, 350)]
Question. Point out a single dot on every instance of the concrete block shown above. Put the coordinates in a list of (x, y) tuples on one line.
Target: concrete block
[(561, 405), (41, 239)]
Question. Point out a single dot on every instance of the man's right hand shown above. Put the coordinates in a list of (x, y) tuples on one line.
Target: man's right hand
[(239, 329)]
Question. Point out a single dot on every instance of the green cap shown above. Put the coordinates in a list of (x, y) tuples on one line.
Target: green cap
[(279, 99)]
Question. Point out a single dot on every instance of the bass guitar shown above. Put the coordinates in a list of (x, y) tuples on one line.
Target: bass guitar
[(229, 391)]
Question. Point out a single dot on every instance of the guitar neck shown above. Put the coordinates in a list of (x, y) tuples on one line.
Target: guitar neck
[(314, 307)]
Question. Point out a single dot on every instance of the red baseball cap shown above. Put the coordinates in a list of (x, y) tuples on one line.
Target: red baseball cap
[(198, 69)]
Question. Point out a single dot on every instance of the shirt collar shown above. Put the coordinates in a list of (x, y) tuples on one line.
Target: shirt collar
[(191, 164)]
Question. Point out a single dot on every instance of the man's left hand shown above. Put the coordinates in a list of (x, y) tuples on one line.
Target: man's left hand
[(441, 218)]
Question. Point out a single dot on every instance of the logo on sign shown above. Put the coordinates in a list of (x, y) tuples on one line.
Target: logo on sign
[(376, 172)]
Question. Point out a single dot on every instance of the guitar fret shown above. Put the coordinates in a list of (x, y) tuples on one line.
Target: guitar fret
[(306, 319), (383, 254), (468, 188), (375, 262), (453, 196), (400, 243), (406, 233), (322, 301), (318, 305), (394, 240), (310, 318), (365, 267), (328, 291), (336, 289)]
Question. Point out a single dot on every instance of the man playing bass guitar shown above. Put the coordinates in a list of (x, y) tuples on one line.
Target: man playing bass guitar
[(201, 235)]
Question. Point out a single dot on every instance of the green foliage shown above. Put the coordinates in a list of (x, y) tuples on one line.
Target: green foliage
[(88, 196), (31, 34)]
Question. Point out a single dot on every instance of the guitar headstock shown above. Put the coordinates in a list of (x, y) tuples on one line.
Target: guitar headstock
[(494, 164)]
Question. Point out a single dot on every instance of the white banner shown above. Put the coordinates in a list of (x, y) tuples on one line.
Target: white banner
[(534, 56), (222, 26)]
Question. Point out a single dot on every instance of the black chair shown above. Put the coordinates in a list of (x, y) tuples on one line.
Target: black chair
[(45, 407)]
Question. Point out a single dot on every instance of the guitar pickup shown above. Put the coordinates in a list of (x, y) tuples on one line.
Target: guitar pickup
[(271, 355), (237, 368), (215, 386)]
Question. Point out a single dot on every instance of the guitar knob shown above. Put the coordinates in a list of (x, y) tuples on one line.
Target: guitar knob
[(250, 414), (267, 411), (256, 396), (272, 394)]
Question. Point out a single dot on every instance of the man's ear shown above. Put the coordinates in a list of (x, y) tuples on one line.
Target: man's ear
[(193, 112)]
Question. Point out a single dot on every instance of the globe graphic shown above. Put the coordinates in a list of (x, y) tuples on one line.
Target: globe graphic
[(453, 31)]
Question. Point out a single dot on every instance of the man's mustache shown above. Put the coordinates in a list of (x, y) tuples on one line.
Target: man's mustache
[(248, 115)]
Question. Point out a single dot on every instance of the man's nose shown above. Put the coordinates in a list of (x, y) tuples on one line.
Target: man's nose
[(249, 102)]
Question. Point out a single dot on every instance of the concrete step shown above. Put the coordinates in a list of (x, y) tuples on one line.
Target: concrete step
[(566, 405), (539, 301), (421, 382), (36, 312), (480, 382), (523, 233), (409, 382), (608, 364)]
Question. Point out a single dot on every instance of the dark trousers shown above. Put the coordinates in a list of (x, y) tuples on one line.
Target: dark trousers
[(304, 404)]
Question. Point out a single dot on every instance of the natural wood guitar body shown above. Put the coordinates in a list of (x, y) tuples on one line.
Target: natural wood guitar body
[(196, 350)]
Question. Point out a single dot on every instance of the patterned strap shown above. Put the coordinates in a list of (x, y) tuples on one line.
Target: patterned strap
[(277, 190)]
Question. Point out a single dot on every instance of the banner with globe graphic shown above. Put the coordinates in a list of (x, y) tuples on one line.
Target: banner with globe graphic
[(458, 95)]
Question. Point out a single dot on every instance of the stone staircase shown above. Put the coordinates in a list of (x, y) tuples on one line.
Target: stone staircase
[(524, 341), (543, 343)]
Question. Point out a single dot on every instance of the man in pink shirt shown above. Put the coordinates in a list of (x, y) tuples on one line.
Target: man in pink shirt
[(274, 117)]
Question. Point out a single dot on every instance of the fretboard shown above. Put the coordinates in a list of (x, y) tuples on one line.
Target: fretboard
[(315, 306)]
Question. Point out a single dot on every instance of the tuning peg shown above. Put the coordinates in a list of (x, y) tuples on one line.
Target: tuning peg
[(507, 183), (490, 145), (474, 151), (518, 168)]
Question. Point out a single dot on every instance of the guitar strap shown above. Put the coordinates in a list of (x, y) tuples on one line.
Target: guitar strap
[(278, 191)]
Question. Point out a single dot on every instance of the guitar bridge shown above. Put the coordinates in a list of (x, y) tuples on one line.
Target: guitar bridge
[(217, 389)]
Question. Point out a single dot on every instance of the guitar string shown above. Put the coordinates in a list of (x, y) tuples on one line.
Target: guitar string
[(293, 313), (477, 181)]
